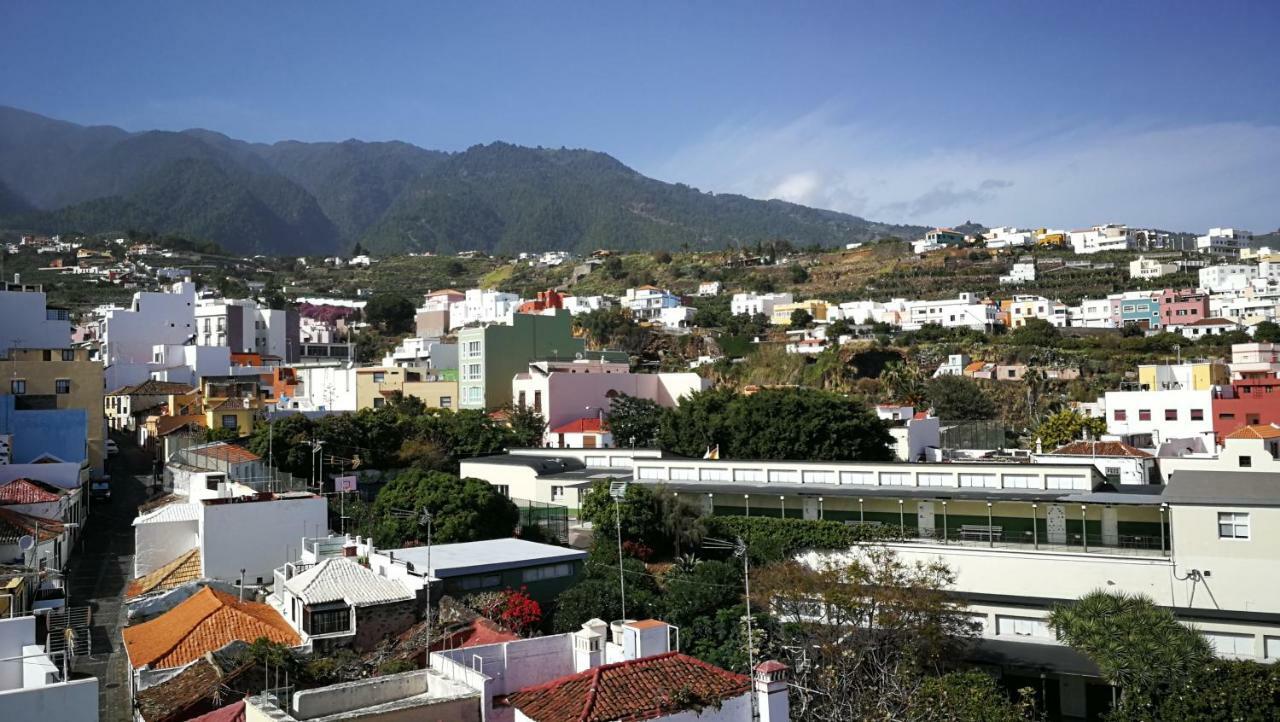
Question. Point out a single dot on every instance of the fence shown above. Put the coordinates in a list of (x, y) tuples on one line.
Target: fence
[(244, 468), (551, 519)]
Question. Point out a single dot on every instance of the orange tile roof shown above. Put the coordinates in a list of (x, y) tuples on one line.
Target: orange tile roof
[(223, 451), (166, 425), (207, 621), (15, 525), (181, 570), (27, 491), (1256, 431), (638, 689), (1100, 448)]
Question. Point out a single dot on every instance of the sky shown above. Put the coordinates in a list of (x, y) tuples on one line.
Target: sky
[(1154, 113)]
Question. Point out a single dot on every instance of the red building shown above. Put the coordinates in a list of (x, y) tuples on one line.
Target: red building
[(1246, 402)]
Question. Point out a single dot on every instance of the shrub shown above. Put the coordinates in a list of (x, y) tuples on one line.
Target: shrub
[(772, 539)]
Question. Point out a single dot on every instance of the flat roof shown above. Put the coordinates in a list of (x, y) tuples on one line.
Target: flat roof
[(773, 489), (466, 558), (1222, 488)]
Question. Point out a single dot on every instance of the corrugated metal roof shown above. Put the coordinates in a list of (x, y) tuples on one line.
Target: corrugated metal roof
[(170, 512), (343, 580)]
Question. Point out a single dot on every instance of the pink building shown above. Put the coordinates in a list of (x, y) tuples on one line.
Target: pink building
[(432, 320), (1179, 308)]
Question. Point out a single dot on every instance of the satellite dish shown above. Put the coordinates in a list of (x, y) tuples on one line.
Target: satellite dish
[(26, 542)]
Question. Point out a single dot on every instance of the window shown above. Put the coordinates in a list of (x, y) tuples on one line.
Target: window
[(1170, 414), (1021, 481), (446, 402), (229, 421), (783, 475), (933, 479), (1230, 645), (473, 348), (818, 477), (327, 621), (47, 354), (1053, 481), (979, 480), (1246, 462), (212, 482), (1197, 414), (1233, 525), (557, 493), (503, 489), (1023, 627), (651, 473), (1144, 414), (471, 372), (857, 477), (62, 386), (714, 474), (1120, 415), (1113, 474), (473, 395), (748, 474), (379, 377), (520, 400), (892, 478), (551, 571), (537, 401), (18, 387), (488, 580), (68, 354), (379, 402)]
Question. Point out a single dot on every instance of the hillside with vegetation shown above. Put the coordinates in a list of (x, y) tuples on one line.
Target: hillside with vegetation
[(292, 198)]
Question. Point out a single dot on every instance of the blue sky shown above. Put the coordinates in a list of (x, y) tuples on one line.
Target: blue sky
[(1028, 113)]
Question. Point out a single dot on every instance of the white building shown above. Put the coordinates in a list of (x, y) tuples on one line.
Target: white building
[(1255, 360), (576, 305), (1024, 272), (1143, 268), (1197, 330), (326, 388), (1224, 242), (709, 288), (1109, 237), (647, 303), (247, 327), (1091, 313), (430, 353), (1009, 237), (129, 336), (1150, 418), (188, 364), (1118, 462), (750, 304), (482, 306), (1227, 277), (966, 311), (679, 317), (34, 684), (915, 434), (29, 322)]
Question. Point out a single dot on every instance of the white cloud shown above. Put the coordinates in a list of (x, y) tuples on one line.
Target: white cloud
[(1183, 178)]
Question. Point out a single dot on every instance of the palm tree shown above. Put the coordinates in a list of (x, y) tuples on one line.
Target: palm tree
[(681, 520), (1139, 647)]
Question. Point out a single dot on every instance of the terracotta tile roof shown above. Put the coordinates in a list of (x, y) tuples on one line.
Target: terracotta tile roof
[(166, 425), (181, 570), (153, 388), (233, 712), (639, 689), (194, 690), (205, 622), (588, 425), (1256, 431), (1212, 322), (15, 525), (223, 451), (28, 491), (1100, 448), (480, 631)]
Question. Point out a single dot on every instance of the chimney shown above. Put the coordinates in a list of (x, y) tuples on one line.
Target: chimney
[(588, 646), (771, 692), (645, 638)]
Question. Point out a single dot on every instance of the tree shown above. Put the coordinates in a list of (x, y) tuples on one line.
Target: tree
[(838, 328), (958, 398), (218, 433), (634, 421), (693, 596), (1139, 647), (598, 595), (528, 427), (1066, 426), (968, 696), (462, 509), (682, 521), (799, 274), (393, 312), (801, 318), (905, 383), (1220, 691), (886, 626), (1267, 332), (1034, 332), (638, 511), (776, 424), (358, 250)]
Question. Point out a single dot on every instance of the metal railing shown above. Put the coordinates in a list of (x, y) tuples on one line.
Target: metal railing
[(998, 537)]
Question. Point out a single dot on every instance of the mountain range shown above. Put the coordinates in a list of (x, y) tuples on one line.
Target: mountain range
[(294, 198)]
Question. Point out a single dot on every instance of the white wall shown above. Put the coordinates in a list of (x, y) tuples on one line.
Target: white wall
[(75, 701), (154, 318), (257, 536), (25, 324), (331, 388), (159, 543)]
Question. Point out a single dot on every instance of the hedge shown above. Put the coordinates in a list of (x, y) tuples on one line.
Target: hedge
[(773, 539)]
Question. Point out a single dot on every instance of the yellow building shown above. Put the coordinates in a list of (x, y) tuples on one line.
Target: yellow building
[(233, 403), (1054, 239), (62, 378), (437, 388), (1192, 376), (814, 307)]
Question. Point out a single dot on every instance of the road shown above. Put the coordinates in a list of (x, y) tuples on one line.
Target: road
[(98, 572)]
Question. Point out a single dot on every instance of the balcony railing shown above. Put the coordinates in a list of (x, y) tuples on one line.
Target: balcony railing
[(997, 537)]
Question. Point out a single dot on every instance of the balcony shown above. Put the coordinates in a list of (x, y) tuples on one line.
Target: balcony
[(994, 537)]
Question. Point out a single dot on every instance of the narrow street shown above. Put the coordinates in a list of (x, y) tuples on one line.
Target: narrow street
[(99, 570)]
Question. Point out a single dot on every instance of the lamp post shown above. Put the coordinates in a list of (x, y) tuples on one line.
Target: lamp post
[(1084, 527), (746, 498), (1164, 508), (991, 533), (618, 490), (1035, 530), (783, 500), (944, 522), (820, 516), (902, 520), (862, 518)]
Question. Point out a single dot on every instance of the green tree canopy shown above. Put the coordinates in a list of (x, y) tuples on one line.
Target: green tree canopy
[(463, 509), (776, 424), (958, 398), (801, 318), (1066, 426), (632, 418), (1035, 332), (392, 312), (1267, 332)]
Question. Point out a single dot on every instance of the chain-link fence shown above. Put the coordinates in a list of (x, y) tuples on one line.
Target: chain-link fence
[(551, 519), (974, 435), (237, 462)]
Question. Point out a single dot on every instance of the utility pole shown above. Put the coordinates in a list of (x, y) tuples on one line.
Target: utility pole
[(618, 489)]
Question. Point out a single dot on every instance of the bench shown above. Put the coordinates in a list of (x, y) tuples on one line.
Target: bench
[(981, 532)]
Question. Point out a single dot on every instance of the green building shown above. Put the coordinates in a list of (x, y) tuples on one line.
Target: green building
[(489, 357)]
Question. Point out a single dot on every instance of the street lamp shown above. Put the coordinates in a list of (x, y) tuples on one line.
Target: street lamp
[(618, 490)]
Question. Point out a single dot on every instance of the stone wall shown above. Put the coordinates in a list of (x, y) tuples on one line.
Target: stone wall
[(373, 624)]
